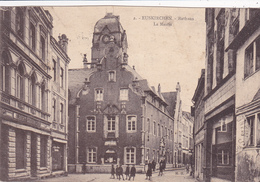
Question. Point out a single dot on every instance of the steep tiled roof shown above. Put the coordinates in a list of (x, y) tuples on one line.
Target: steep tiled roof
[(76, 81), (170, 98)]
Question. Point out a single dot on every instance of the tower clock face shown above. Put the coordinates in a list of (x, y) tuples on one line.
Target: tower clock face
[(106, 39)]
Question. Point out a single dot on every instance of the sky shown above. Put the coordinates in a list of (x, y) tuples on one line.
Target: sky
[(163, 51)]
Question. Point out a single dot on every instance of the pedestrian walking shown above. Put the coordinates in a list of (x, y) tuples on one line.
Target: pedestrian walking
[(132, 172), (120, 172), (84, 168), (127, 171), (117, 172), (160, 168), (187, 168), (154, 165), (149, 171), (112, 172)]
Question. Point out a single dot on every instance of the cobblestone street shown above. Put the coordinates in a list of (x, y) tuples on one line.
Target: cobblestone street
[(169, 176)]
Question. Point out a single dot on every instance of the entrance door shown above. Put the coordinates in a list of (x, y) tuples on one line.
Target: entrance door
[(110, 156), (33, 154)]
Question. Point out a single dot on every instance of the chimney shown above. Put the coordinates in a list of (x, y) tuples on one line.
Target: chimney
[(63, 42), (85, 61), (159, 88)]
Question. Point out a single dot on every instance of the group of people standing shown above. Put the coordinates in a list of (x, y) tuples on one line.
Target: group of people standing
[(129, 173), (152, 166)]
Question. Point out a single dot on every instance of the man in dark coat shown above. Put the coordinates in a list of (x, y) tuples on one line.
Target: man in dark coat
[(120, 172), (132, 172), (127, 171), (117, 171), (112, 172), (154, 165), (149, 171)]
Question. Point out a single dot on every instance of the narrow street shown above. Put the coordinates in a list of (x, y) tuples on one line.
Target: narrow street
[(168, 176)]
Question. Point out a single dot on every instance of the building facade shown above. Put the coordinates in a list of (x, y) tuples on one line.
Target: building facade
[(199, 132), (219, 99), (27, 133), (187, 138), (114, 115), (232, 94), (246, 43)]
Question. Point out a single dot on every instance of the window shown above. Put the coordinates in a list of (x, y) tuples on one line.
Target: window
[(61, 113), (91, 123), (43, 151), (42, 48), (223, 157), (19, 22), (252, 63), (220, 44), (158, 130), (33, 89), (54, 109), (54, 70), (111, 123), (61, 77), (20, 148), (20, 82), (32, 36), (251, 125), (123, 94), (43, 97), (99, 94), (154, 128), (148, 125), (130, 155), (257, 67), (5, 73), (223, 127), (131, 123), (112, 76), (91, 155), (249, 66), (166, 134)]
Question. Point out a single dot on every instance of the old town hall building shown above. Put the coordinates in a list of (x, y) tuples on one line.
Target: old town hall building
[(114, 115)]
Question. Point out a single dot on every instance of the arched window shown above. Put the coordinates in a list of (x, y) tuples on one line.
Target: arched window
[(33, 89), (19, 22), (5, 73), (20, 82)]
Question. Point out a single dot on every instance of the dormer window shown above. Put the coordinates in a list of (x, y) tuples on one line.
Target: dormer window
[(99, 94), (112, 76), (124, 94)]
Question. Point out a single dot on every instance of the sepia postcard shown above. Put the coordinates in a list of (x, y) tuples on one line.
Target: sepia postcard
[(112, 92)]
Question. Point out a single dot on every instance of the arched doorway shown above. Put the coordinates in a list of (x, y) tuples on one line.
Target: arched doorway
[(110, 156)]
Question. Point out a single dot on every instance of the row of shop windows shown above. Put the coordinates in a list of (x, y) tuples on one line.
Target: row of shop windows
[(20, 149), (111, 123)]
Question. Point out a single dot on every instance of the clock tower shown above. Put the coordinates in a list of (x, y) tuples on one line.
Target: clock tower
[(109, 44)]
